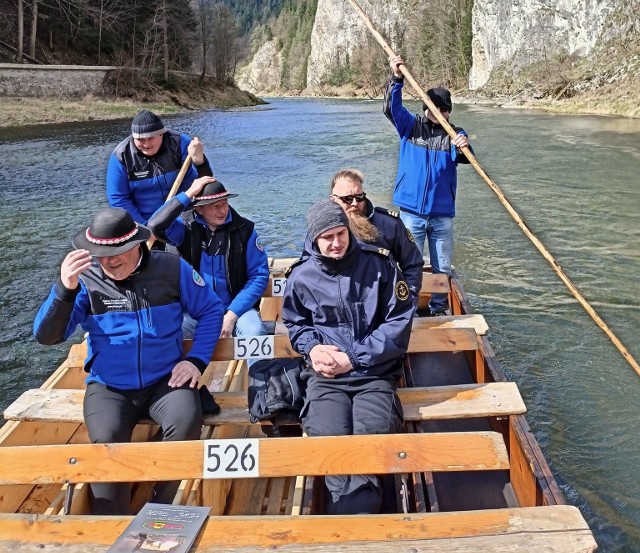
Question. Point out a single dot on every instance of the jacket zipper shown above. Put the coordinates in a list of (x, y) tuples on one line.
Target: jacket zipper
[(147, 306), (136, 306), (345, 311), (226, 264)]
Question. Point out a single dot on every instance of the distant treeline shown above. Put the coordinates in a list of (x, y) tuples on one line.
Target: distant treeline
[(213, 36)]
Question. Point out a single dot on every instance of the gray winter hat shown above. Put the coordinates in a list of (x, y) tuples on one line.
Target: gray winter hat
[(146, 125), (325, 215)]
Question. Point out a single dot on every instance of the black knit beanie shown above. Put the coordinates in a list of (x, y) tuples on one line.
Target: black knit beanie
[(325, 215), (441, 97), (146, 125)]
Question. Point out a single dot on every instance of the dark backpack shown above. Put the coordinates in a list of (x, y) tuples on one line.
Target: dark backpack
[(275, 388)]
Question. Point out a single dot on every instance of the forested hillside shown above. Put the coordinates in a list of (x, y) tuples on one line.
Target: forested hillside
[(564, 50), (215, 36)]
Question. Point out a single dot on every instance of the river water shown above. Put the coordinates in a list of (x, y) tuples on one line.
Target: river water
[(573, 179)]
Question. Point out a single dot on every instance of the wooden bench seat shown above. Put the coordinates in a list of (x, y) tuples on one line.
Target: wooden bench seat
[(476, 321), (271, 306), (553, 529), (419, 404)]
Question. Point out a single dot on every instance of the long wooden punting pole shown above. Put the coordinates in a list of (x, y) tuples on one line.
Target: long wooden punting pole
[(174, 189), (503, 199)]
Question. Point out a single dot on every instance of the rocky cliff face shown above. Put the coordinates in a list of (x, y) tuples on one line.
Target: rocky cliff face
[(568, 47), (263, 73), (338, 30), (517, 33)]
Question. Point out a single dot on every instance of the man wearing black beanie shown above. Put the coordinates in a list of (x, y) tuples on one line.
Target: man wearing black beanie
[(348, 312), (427, 180), (143, 167)]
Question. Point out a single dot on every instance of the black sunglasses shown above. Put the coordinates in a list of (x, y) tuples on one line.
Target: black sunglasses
[(349, 199)]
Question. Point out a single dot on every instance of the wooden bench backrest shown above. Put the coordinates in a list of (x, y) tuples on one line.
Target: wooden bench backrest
[(151, 461), (424, 339)]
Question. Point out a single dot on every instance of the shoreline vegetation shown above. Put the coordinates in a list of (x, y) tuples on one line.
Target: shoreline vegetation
[(25, 111)]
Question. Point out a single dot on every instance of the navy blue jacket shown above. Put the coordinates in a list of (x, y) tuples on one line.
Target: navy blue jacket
[(231, 259), (141, 184), (358, 303), (134, 325), (394, 236), (427, 178)]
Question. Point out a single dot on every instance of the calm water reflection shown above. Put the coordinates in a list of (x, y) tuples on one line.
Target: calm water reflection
[(573, 179)]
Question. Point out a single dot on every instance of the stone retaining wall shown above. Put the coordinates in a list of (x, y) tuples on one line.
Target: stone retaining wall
[(51, 80)]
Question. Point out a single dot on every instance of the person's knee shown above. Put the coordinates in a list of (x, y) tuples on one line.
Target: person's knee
[(104, 429), (109, 434), (179, 414), (382, 415), (325, 418), (250, 324), (184, 426)]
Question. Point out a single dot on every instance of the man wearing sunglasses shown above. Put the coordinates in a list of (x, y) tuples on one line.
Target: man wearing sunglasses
[(426, 183), (378, 226)]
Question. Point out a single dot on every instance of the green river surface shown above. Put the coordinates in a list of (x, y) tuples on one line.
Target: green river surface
[(573, 179)]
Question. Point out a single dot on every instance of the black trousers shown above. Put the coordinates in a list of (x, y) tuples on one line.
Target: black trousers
[(348, 406), (111, 415)]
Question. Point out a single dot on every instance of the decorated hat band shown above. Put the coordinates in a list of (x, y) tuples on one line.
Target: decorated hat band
[(111, 241), (213, 196)]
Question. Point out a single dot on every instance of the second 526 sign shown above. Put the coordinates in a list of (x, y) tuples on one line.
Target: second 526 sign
[(253, 347)]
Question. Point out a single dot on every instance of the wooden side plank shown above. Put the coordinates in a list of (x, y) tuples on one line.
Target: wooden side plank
[(367, 454), (550, 529), (443, 402)]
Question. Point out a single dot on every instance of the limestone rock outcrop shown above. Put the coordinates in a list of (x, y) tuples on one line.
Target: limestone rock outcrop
[(338, 30), (521, 32), (262, 75)]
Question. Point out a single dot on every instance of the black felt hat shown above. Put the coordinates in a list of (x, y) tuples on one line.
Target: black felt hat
[(112, 231), (211, 193)]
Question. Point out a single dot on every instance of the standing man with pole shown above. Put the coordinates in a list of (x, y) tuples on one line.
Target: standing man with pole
[(425, 187)]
